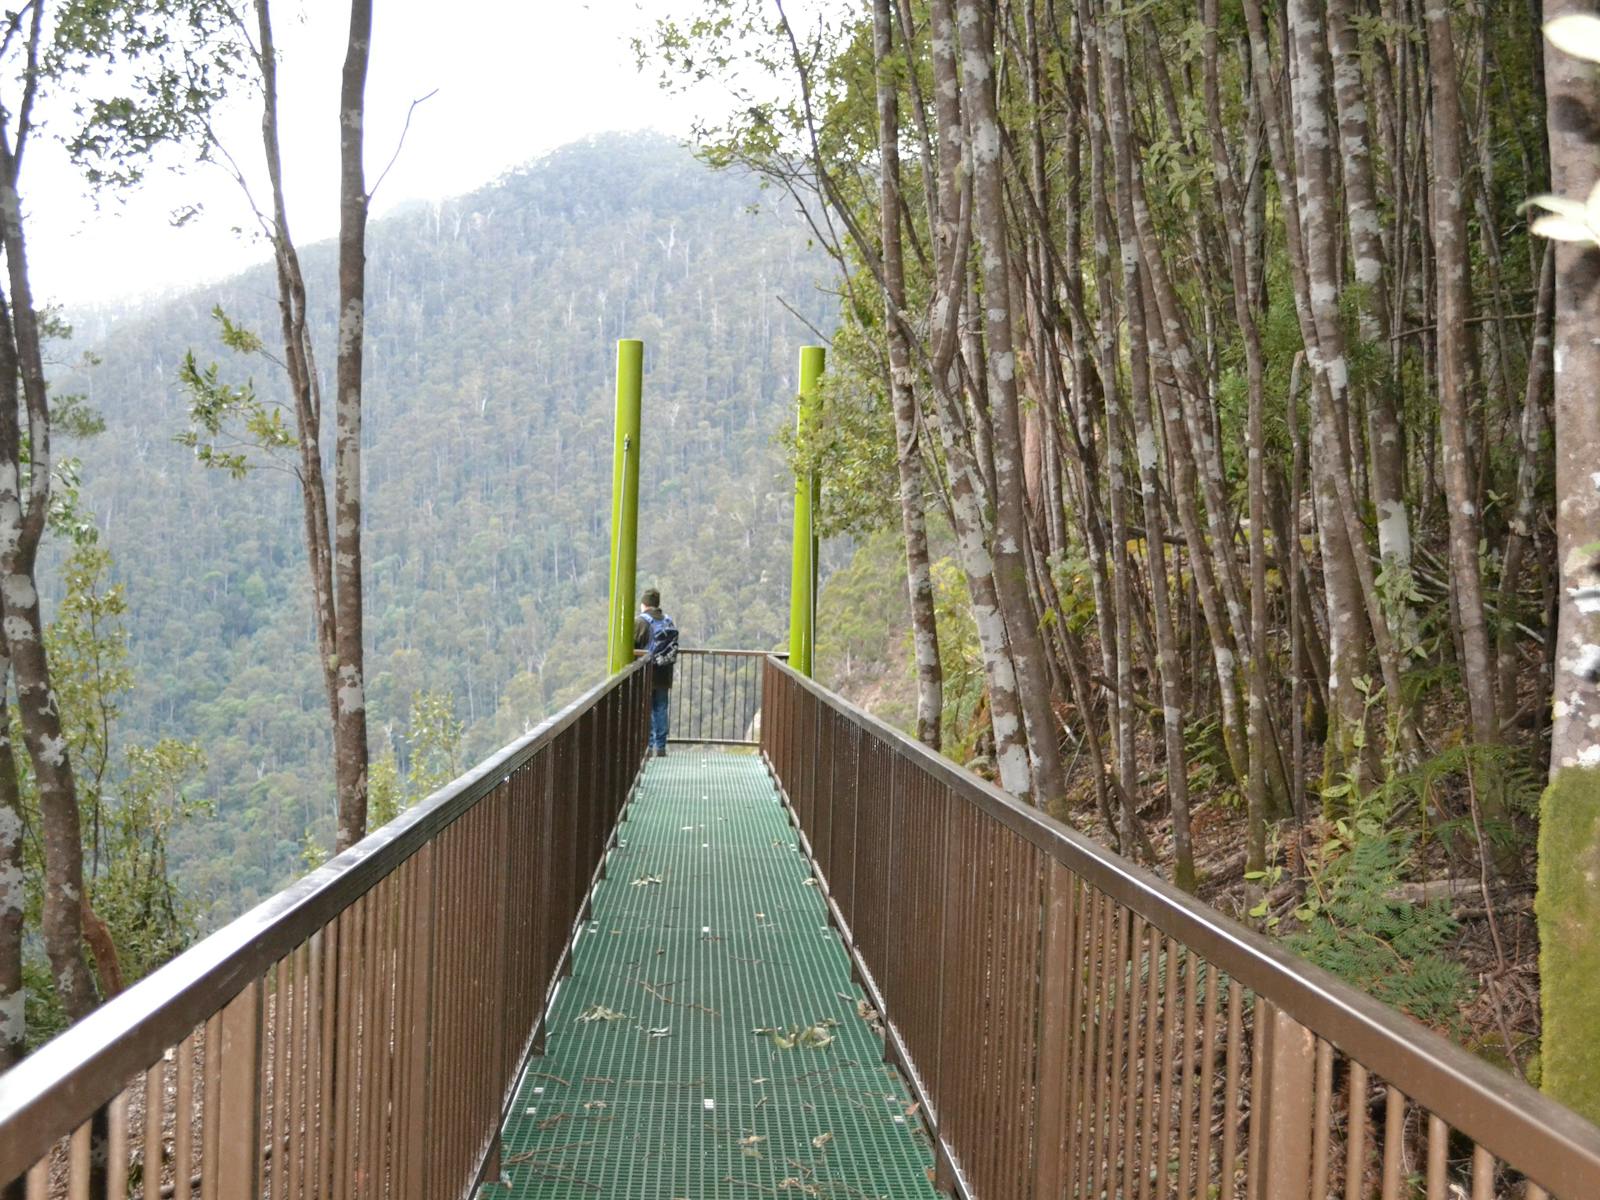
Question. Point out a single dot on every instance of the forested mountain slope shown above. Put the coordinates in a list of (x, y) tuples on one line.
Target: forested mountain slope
[(492, 324)]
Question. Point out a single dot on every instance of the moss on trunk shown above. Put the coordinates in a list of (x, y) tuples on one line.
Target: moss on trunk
[(1568, 908)]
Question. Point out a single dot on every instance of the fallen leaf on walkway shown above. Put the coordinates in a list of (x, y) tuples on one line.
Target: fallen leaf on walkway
[(646, 880), (599, 1012), (821, 1140)]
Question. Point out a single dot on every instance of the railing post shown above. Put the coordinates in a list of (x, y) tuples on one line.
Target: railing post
[(625, 503), (1283, 1091), (803, 575), (1057, 968), (415, 1120), (239, 1107)]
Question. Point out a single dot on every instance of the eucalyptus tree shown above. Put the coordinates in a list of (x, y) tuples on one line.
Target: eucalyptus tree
[(1569, 832), (232, 426), (114, 80)]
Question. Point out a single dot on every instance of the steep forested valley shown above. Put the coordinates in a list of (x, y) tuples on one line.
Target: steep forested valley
[(1206, 454), (491, 343)]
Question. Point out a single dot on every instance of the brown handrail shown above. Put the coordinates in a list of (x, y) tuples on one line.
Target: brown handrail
[(321, 978), (1077, 1037)]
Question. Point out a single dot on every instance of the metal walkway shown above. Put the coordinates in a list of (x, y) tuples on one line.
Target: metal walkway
[(710, 1042)]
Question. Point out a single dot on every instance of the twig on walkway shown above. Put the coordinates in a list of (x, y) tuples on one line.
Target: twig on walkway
[(677, 1003)]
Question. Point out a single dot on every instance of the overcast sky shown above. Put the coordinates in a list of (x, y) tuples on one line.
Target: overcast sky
[(514, 79)]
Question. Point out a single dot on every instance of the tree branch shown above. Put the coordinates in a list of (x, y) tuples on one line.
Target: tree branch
[(400, 145)]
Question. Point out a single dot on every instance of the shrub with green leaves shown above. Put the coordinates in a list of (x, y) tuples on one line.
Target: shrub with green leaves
[(1387, 947)]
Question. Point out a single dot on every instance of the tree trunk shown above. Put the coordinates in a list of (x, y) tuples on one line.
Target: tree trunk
[(908, 457), (1568, 903), (1525, 514), (1010, 521), (22, 524), (1227, 192), (304, 387), (1454, 307), (350, 726), (967, 487), (1122, 568), (1366, 244), (1310, 240), (1168, 663), (13, 1007)]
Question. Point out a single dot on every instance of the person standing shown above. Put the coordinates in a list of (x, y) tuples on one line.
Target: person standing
[(656, 635)]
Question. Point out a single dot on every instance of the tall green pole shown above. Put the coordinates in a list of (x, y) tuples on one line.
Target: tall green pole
[(807, 492), (625, 503)]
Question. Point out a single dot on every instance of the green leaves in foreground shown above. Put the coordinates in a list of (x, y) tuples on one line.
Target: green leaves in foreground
[(230, 426)]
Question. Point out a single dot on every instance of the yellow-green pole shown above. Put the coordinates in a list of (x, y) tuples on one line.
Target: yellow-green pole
[(807, 491), (625, 503)]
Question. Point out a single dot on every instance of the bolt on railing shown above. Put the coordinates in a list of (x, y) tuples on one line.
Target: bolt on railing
[(361, 1033), (1074, 1026)]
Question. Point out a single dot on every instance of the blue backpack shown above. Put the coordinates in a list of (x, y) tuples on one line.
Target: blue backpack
[(661, 646)]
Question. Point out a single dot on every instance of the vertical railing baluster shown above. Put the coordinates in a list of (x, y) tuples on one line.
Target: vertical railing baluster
[(1230, 1103), (211, 1066), (183, 1122), (117, 1149), (238, 1052), (155, 1103), (1285, 1092)]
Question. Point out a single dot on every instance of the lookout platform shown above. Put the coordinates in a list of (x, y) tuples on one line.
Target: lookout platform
[(580, 971), (710, 1041)]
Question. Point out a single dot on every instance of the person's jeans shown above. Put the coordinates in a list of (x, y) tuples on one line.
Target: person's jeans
[(659, 698)]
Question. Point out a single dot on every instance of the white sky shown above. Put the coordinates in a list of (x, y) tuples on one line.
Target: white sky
[(515, 78)]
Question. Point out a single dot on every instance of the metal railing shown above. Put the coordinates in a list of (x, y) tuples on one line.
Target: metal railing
[(360, 1034), (716, 697), (1074, 1026)]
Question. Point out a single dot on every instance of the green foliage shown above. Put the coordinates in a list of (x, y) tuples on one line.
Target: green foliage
[(961, 659), (1074, 580), (385, 795), (434, 742), (853, 447), (227, 422), (137, 894), (132, 798), (1356, 928), (140, 74)]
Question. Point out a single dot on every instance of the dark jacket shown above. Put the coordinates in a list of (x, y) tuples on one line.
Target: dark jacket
[(641, 639)]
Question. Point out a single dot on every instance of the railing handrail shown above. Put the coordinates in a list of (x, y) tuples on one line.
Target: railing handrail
[(778, 654), (1501, 1113), (54, 1089)]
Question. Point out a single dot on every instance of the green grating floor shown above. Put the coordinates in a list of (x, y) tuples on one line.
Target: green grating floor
[(704, 932)]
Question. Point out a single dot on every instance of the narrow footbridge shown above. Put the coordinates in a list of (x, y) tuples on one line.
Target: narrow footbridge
[(799, 955)]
